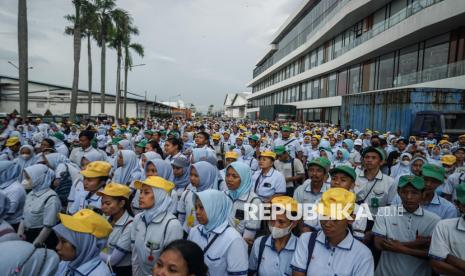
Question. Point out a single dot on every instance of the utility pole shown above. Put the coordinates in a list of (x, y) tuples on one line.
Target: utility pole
[(145, 108)]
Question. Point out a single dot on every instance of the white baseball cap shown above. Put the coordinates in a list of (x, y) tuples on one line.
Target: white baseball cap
[(358, 142)]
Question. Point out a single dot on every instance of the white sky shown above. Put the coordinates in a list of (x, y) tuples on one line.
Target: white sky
[(201, 49)]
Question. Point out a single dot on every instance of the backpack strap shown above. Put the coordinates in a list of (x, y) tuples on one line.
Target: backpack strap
[(261, 248), (293, 170), (311, 247), (166, 228)]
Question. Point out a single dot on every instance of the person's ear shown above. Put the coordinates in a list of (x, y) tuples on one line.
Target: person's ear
[(350, 221)]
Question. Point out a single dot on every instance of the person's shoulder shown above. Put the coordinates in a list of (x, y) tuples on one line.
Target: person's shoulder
[(362, 251), (431, 216)]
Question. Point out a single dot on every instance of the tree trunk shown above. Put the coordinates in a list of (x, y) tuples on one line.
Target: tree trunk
[(89, 59), (77, 57), (102, 67), (23, 58), (118, 79), (126, 69)]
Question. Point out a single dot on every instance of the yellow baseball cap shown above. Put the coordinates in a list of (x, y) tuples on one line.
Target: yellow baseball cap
[(240, 137), (268, 153), (462, 136), (97, 169), (87, 221), (285, 202), (12, 141), (442, 142), (115, 189), (231, 154), (216, 136), (334, 201), (448, 159), (157, 182)]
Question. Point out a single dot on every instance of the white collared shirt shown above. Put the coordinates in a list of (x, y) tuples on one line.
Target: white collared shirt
[(266, 186), (41, 209), (448, 239), (381, 189), (120, 239), (237, 217)]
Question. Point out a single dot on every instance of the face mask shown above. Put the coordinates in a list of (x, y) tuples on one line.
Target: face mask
[(27, 184), (26, 156), (405, 162), (277, 233), (375, 144)]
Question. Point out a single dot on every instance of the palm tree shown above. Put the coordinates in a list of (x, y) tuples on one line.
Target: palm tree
[(77, 57), (104, 10), (139, 50), (22, 57), (88, 30)]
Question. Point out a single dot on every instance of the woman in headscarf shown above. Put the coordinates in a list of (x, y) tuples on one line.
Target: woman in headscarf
[(24, 259), (41, 208), (81, 237), (204, 154), (7, 233), (12, 189), (188, 141), (124, 145), (155, 227), (354, 156), (225, 250), (342, 158), (403, 165), (128, 169), (26, 158), (116, 206), (161, 168), (181, 168), (247, 157), (77, 186), (150, 155), (239, 182), (203, 176)]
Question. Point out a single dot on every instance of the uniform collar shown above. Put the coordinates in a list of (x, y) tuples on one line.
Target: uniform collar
[(290, 245), (436, 200), (418, 212), (156, 219), (379, 175), (88, 267), (122, 220), (323, 189), (345, 244), (461, 224), (270, 173), (39, 193)]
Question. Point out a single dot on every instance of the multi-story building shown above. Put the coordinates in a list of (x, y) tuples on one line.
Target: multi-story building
[(329, 49)]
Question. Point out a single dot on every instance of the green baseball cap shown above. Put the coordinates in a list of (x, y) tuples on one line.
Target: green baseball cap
[(254, 138), (345, 170), (142, 144), (416, 181), (116, 140), (286, 128), (433, 171), (59, 136), (162, 132), (460, 189), (375, 150), (321, 162), (279, 150), (148, 131)]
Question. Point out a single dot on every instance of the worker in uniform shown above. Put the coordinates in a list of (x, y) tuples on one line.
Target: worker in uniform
[(239, 182), (155, 227), (9, 173), (292, 145), (271, 255), (447, 250), (267, 181), (333, 250), (81, 237), (41, 207), (224, 248), (95, 177), (402, 233), (116, 206)]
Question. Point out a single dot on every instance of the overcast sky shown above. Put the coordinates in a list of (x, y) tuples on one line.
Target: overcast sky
[(201, 49)]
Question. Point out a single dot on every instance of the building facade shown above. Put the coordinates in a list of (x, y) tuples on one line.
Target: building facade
[(331, 48), (235, 105), (57, 99)]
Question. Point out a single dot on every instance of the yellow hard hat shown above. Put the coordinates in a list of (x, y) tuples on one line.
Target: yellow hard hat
[(87, 221), (115, 189), (97, 169), (156, 182), (448, 159), (334, 201), (12, 141), (268, 153)]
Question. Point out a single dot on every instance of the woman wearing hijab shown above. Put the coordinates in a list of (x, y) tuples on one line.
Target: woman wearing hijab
[(188, 141), (225, 250), (155, 227), (124, 145), (41, 208), (239, 182), (81, 237), (128, 169), (342, 158), (204, 154), (150, 155), (247, 157), (24, 259), (181, 168), (12, 189), (26, 158), (7, 233), (161, 168), (403, 166), (203, 176)]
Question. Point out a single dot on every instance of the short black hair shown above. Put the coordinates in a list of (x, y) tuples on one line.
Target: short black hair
[(87, 133), (192, 254)]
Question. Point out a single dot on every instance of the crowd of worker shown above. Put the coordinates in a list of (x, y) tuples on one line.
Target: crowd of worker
[(171, 197)]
